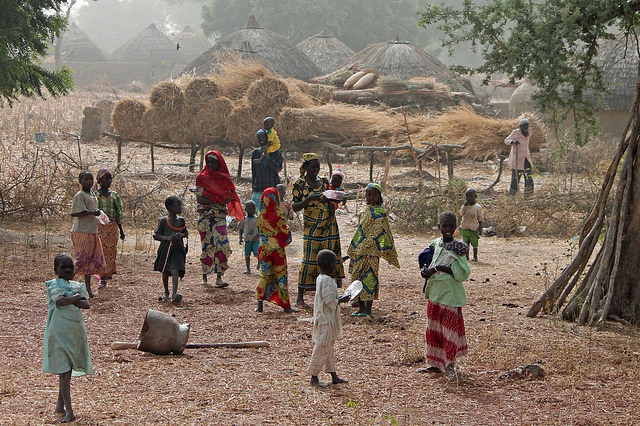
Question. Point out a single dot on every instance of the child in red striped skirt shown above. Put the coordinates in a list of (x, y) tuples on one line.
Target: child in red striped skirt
[(445, 294)]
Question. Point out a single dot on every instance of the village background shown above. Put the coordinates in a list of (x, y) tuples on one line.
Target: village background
[(149, 112)]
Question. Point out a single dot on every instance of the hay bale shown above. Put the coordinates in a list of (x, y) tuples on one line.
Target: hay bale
[(298, 97), (126, 118), (201, 90), (482, 136), (268, 93), (236, 75), (243, 122), (210, 123), (153, 128), (167, 96)]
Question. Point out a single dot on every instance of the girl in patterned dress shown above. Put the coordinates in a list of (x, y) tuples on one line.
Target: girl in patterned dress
[(274, 237), (320, 225), (217, 198), (110, 203), (372, 241)]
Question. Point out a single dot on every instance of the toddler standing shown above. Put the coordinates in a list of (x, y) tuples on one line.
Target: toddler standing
[(327, 324), (472, 218), (172, 253), (445, 336), (248, 229), (84, 233), (66, 349), (372, 241)]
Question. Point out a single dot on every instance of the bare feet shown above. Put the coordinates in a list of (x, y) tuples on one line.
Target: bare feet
[(68, 417), (316, 382), (259, 307), (60, 410), (221, 284), (176, 298), (163, 298), (291, 310), (247, 272)]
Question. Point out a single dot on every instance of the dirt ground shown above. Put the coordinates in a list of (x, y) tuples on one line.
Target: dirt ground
[(592, 376)]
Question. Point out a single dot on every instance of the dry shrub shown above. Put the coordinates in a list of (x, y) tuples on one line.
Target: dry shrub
[(201, 90), (417, 212), (211, 119), (482, 136), (167, 96), (340, 124), (236, 75), (268, 93), (550, 212), (126, 118)]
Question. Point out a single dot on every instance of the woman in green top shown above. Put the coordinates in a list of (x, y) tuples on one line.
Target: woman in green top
[(445, 294), (66, 349)]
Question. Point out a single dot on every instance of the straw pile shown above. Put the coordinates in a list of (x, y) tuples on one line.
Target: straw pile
[(201, 90), (243, 122), (482, 137), (126, 118), (340, 124), (298, 97), (164, 118), (167, 97), (210, 121), (267, 94), (236, 75)]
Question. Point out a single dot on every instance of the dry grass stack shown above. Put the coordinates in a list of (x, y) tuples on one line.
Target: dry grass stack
[(126, 118), (163, 121), (210, 122), (236, 75), (264, 97), (482, 136), (198, 93), (341, 124)]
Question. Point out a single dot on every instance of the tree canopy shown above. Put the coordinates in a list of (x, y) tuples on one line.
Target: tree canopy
[(554, 43), (356, 23), (25, 29)]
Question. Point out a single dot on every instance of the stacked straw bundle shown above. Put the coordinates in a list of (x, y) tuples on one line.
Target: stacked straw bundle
[(341, 124), (482, 136), (126, 118), (164, 117)]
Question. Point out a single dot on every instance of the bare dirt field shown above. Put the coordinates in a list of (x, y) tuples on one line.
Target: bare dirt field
[(591, 376)]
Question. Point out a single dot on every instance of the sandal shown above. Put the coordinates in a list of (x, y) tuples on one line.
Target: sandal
[(163, 298), (222, 284), (430, 369), (176, 298), (357, 314), (303, 306)]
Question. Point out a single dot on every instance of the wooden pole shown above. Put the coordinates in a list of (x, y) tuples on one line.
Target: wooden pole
[(387, 166), (447, 154), (202, 148), (153, 161), (192, 157), (119, 142), (373, 154), (240, 156)]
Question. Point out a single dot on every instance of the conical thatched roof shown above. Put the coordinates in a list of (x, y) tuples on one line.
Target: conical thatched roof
[(192, 44), (150, 45), (403, 60), (78, 47), (618, 60), (326, 51), (255, 43)]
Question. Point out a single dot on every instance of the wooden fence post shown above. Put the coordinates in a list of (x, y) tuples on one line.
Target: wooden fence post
[(153, 161)]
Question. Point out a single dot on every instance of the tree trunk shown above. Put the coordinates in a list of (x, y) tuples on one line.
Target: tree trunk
[(611, 287)]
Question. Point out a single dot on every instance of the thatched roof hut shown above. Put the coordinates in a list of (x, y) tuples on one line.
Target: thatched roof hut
[(403, 60), (256, 43), (326, 51), (191, 43), (150, 46), (618, 60), (78, 47)]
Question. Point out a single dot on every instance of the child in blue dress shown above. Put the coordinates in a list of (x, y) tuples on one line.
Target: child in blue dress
[(66, 349)]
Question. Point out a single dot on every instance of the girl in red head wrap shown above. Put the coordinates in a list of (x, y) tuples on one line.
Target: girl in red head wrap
[(217, 198)]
